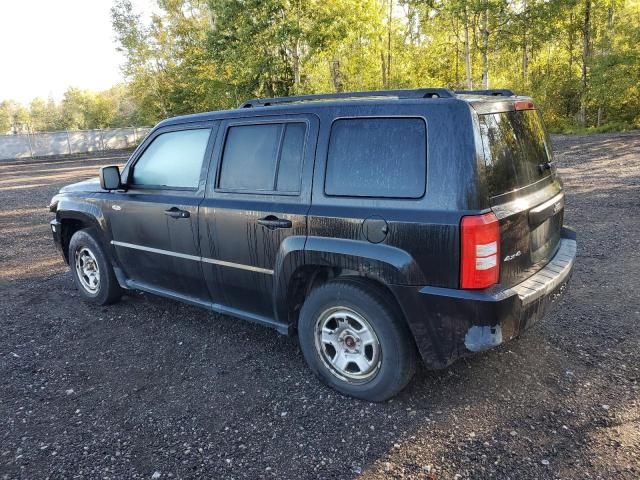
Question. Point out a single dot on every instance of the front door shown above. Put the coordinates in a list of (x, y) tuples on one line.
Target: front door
[(255, 206), (154, 224)]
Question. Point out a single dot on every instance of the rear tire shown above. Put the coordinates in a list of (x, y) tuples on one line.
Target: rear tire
[(91, 270), (354, 338)]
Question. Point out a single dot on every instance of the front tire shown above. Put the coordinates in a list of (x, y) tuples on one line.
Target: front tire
[(91, 270), (354, 338)]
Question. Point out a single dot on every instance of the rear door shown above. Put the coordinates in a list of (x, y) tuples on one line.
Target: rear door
[(375, 208), (524, 190), (256, 206), (154, 224)]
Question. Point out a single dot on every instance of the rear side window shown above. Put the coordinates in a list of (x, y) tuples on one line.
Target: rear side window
[(377, 157), (263, 158), (173, 159), (516, 148)]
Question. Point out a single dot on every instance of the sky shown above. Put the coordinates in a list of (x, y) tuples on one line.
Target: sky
[(47, 46)]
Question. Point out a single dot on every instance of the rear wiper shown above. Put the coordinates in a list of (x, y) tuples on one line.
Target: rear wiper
[(545, 166)]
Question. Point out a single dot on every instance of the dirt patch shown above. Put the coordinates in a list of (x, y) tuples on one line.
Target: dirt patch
[(150, 386)]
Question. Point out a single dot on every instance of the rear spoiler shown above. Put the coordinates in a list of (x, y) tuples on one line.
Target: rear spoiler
[(500, 103), (494, 93)]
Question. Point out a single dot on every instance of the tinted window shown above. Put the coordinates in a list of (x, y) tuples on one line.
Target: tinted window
[(254, 153), (289, 172), (377, 157), (515, 145), (173, 159)]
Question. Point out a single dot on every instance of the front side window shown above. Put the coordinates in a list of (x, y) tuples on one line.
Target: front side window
[(377, 157), (263, 157), (173, 159)]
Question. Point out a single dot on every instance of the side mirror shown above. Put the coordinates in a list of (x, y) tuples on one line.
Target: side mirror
[(110, 178)]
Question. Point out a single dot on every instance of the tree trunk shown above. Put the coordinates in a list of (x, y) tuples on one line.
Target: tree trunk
[(389, 44), (569, 103), (296, 65), (485, 48), (572, 40), (336, 77), (525, 60), (586, 54), (467, 54), (608, 33), (525, 47), (457, 74), (383, 68), (296, 52)]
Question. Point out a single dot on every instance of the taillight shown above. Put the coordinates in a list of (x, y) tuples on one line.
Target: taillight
[(524, 105), (480, 259)]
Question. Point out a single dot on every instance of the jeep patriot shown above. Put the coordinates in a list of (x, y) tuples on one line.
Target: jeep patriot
[(380, 227)]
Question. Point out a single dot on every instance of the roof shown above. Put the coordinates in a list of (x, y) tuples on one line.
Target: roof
[(474, 97), (390, 94)]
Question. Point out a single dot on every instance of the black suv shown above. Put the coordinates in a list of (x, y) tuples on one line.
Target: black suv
[(378, 225)]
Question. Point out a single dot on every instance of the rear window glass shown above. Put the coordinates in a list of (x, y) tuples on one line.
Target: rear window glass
[(377, 157), (515, 146)]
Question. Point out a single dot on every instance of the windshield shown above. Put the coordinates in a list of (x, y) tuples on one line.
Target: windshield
[(516, 149)]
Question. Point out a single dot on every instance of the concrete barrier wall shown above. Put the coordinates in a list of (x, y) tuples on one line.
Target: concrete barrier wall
[(65, 143), (43, 144), (14, 146)]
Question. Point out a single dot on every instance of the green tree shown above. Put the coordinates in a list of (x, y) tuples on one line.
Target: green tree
[(577, 58), (44, 115), (74, 109), (167, 64), (6, 118)]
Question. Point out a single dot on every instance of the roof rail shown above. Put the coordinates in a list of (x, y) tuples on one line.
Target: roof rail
[(495, 93), (414, 93)]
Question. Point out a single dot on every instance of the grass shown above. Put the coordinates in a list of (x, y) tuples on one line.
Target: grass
[(570, 129)]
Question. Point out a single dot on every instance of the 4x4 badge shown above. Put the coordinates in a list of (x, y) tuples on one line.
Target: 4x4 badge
[(508, 258)]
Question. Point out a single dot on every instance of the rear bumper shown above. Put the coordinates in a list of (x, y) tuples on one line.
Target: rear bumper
[(450, 323)]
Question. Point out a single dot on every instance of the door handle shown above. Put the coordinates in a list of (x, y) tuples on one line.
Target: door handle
[(175, 212), (272, 222)]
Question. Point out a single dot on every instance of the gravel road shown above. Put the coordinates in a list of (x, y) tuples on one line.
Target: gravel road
[(150, 388)]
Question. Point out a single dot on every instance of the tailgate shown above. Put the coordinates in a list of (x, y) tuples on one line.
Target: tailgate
[(525, 192)]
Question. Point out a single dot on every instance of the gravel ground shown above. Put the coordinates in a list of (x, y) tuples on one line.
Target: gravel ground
[(150, 388)]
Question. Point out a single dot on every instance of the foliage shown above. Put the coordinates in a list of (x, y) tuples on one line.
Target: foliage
[(579, 59), (169, 65), (78, 110), (6, 116)]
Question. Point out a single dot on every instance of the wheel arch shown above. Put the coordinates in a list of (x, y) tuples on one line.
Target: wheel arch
[(303, 263), (76, 215), (70, 225)]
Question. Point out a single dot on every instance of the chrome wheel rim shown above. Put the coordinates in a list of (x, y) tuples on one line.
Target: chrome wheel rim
[(87, 270), (347, 344)]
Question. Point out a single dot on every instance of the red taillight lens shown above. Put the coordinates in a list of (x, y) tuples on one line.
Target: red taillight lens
[(524, 105), (480, 260)]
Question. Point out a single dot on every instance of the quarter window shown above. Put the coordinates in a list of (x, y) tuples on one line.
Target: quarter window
[(377, 157), (263, 158), (173, 159)]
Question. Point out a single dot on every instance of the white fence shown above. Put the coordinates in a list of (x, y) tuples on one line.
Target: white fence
[(29, 145)]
